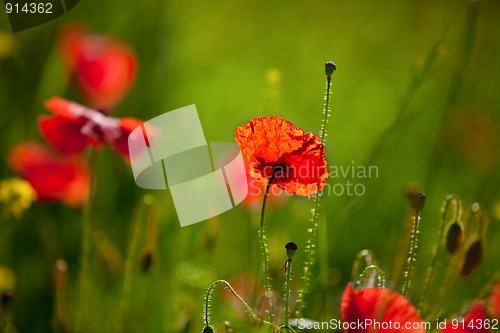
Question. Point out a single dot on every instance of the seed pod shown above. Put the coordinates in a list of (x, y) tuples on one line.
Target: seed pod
[(472, 257), (291, 247), (454, 237)]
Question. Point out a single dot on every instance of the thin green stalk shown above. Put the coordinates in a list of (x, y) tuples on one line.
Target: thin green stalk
[(264, 249), (313, 230), (412, 255), (288, 267), (86, 249), (454, 201), (135, 232), (238, 297), (365, 277)]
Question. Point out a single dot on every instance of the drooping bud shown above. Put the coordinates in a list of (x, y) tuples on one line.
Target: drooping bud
[(291, 247), (472, 257), (454, 237)]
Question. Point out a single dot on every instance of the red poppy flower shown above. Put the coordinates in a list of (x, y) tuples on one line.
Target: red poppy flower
[(473, 321), (385, 311), (53, 177), (276, 146), (75, 126), (102, 67)]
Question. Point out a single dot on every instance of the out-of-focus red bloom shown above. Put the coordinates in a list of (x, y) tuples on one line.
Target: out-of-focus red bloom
[(75, 126), (53, 177), (493, 302), (379, 305), (103, 68), (274, 145), (473, 321)]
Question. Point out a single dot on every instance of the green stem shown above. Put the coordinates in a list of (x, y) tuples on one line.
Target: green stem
[(135, 232), (313, 231), (365, 275), (412, 255), (238, 297), (86, 247), (264, 249), (287, 289), (322, 136), (455, 202)]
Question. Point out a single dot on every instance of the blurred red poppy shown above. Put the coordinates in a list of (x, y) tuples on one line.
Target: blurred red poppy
[(52, 176), (103, 68), (275, 146), (472, 322), (75, 126), (386, 310)]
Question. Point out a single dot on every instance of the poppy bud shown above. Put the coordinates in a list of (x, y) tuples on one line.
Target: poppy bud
[(208, 329), (330, 67), (291, 247), (416, 198), (472, 257), (454, 237)]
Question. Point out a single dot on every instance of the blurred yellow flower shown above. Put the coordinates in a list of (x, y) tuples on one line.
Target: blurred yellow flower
[(16, 195)]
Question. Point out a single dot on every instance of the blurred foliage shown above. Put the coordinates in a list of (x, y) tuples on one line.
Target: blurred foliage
[(415, 94)]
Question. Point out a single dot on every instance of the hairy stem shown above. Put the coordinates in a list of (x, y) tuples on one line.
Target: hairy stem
[(264, 249), (238, 297), (313, 230), (135, 232), (288, 268), (455, 204), (412, 255)]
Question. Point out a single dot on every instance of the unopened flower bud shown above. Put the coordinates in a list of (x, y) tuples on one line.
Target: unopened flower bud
[(330, 67), (454, 237), (291, 247), (472, 257)]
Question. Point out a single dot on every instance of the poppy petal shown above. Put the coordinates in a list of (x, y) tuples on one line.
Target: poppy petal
[(272, 142), (472, 321), (381, 305), (52, 176), (62, 107), (103, 68), (64, 135), (127, 125)]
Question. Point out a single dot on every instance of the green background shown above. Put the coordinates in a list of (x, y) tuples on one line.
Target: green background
[(415, 94)]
